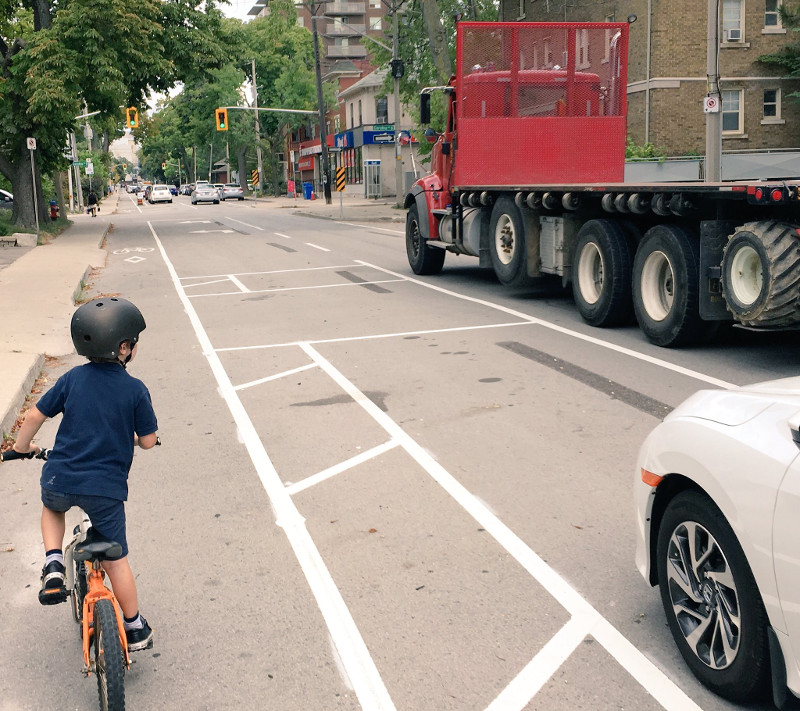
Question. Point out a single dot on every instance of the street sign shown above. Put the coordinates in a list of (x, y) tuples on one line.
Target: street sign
[(89, 168), (254, 178), (340, 179), (711, 105), (383, 127), (79, 163), (31, 142)]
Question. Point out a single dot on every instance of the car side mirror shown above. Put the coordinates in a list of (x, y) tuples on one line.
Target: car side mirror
[(445, 148), (425, 108)]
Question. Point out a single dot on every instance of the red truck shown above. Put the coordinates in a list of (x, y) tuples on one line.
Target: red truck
[(528, 176)]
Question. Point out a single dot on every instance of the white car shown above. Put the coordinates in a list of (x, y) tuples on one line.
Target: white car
[(717, 493), (160, 193)]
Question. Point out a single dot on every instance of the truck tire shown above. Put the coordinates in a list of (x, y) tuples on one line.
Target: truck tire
[(601, 275), (665, 286), (761, 274), (507, 244), (422, 258)]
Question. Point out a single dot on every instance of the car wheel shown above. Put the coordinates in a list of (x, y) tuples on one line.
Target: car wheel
[(240, 199), (710, 598), (216, 202)]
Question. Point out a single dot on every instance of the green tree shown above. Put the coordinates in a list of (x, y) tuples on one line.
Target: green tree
[(57, 56)]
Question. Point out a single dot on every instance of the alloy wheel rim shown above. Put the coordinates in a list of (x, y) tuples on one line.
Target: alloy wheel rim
[(705, 601)]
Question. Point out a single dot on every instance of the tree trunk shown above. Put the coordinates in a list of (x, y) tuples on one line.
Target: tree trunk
[(241, 160), (23, 213), (58, 180)]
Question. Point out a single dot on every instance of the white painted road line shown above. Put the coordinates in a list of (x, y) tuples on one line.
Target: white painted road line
[(316, 246), (341, 467), (238, 283), (566, 331), (206, 283), (246, 224), (668, 694), (271, 271), (280, 234), (370, 227), (295, 288), (277, 376), (356, 660)]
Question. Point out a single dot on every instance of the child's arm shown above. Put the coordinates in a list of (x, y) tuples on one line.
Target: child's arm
[(34, 419), (146, 441)]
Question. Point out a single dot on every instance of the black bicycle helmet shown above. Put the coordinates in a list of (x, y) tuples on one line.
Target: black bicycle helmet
[(99, 326)]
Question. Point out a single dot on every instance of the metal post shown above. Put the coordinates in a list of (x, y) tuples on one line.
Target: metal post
[(76, 168), (210, 160), (323, 138), (261, 180), (398, 157), (713, 173), (35, 200)]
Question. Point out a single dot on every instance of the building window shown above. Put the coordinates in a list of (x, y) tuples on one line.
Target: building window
[(732, 111), (375, 4), (733, 21), (772, 107), (582, 49), (772, 14), (360, 114), (548, 54), (337, 124), (609, 36), (521, 13), (352, 120), (382, 110)]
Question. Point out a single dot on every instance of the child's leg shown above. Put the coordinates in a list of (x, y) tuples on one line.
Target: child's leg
[(53, 526), (121, 576)]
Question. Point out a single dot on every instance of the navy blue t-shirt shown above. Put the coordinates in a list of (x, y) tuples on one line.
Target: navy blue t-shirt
[(103, 407)]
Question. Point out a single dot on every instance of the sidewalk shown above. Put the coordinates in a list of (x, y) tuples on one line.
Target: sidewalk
[(349, 206), (39, 285)]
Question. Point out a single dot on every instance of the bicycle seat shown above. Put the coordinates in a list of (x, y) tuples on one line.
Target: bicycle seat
[(96, 547)]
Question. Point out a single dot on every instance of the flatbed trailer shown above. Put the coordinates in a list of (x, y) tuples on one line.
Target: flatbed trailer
[(527, 176)]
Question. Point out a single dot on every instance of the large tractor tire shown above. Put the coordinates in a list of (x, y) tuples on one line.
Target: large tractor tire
[(761, 274)]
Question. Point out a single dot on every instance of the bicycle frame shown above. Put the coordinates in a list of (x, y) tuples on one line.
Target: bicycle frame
[(96, 591)]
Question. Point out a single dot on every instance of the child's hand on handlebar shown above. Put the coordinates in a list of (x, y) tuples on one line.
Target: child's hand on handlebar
[(31, 449)]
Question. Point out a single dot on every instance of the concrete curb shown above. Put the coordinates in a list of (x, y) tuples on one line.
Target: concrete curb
[(22, 368)]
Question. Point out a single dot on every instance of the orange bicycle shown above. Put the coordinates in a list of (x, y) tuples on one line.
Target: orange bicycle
[(94, 607)]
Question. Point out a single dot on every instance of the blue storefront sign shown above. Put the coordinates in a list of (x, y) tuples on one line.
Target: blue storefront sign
[(343, 140)]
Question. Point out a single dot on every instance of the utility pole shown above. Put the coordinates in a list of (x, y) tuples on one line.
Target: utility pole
[(323, 137), (713, 106), (398, 156), (258, 133)]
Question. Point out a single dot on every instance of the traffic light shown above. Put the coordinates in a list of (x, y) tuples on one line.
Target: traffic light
[(132, 117), (124, 166), (398, 68), (222, 119), (163, 165)]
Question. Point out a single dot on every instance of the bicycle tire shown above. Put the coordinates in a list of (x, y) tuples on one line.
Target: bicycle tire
[(109, 665)]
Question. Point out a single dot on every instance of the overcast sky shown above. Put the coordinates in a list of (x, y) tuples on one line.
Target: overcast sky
[(237, 8)]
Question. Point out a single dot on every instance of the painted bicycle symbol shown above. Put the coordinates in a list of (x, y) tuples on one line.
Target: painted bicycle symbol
[(127, 250)]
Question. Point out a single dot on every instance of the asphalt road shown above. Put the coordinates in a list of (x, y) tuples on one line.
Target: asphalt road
[(376, 491)]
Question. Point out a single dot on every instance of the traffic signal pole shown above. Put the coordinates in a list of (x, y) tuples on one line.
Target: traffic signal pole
[(261, 180), (323, 138)]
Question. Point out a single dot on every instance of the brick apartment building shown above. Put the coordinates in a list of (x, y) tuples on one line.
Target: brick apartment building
[(667, 69)]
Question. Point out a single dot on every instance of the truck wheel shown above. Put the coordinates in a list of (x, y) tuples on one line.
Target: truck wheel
[(761, 274), (665, 286), (507, 244), (422, 258), (601, 277)]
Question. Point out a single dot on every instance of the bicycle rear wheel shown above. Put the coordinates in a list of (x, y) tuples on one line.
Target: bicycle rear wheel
[(109, 664)]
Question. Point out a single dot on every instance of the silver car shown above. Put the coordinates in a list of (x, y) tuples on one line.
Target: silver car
[(232, 190), (204, 192)]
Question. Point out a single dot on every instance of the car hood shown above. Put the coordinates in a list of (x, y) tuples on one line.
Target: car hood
[(735, 407)]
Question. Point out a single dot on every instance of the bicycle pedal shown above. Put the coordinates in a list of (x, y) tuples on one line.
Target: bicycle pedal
[(53, 596)]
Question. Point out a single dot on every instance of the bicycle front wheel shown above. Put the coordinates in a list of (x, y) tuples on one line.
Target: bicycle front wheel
[(109, 664)]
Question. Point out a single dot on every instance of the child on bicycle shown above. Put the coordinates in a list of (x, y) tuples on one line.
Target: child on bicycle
[(106, 412)]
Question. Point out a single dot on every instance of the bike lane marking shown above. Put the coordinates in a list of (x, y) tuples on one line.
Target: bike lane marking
[(586, 620), (358, 664)]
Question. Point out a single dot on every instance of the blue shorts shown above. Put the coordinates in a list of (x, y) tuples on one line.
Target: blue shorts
[(107, 515)]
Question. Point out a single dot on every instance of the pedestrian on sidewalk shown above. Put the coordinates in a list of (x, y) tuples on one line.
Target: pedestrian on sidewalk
[(92, 203)]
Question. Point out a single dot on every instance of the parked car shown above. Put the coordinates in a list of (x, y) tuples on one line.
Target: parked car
[(205, 193), (159, 193), (173, 189), (717, 495), (6, 199), (232, 190)]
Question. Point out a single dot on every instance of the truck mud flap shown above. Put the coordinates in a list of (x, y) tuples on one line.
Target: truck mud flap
[(714, 235)]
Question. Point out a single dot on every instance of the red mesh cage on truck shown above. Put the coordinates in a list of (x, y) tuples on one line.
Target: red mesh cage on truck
[(540, 103)]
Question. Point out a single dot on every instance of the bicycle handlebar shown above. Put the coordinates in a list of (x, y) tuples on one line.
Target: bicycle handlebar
[(11, 454)]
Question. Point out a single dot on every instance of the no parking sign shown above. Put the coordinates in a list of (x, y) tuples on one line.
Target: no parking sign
[(711, 104)]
